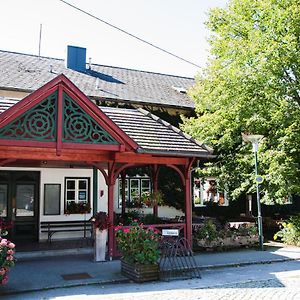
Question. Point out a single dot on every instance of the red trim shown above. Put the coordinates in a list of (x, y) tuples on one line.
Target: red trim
[(155, 188), (111, 185), (122, 168), (137, 158), (59, 120), (25, 104), (29, 143), (179, 172), (188, 209), (4, 162), (106, 147), (24, 143), (101, 169), (62, 83)]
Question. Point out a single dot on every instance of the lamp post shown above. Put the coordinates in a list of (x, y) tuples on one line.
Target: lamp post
[(254, 139)]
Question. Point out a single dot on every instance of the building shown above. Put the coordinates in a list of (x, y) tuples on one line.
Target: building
[(66, 135)]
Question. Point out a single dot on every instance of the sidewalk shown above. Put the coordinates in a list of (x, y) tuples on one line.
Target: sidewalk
[(71, 269)]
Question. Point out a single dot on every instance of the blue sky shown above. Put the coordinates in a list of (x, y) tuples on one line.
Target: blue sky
[(175, 25)]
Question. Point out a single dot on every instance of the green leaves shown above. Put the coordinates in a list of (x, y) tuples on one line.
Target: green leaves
[(138, 244), (252, 85)]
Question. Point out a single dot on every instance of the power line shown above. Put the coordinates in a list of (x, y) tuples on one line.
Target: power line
[(130, 34)]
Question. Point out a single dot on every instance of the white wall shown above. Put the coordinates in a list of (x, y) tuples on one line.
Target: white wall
[(57, 176)]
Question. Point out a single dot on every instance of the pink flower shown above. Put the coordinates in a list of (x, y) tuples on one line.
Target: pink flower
[(2, 271), (126, 230), (10, 252), (4, 280), (117, 228), (9, 257), (11, 245), (3, 242)]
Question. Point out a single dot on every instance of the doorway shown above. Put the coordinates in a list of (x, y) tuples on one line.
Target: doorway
[(19, 203)]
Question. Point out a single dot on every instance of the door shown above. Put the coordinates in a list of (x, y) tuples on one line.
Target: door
[(19, 203)]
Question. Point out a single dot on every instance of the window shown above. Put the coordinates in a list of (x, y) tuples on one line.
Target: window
[(3, 200), (135, 188), (205, 191), (77, 195), (51, 199)]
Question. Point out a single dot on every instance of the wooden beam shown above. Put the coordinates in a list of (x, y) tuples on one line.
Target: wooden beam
[(50, 154), (130, 157), (4, 162)]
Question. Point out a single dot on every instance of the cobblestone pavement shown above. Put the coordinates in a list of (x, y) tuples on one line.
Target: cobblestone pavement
[(269, 281)]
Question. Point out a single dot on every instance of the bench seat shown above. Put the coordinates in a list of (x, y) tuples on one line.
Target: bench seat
[(52, 227)]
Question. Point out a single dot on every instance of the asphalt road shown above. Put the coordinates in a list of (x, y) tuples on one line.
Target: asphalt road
[(264, 281)]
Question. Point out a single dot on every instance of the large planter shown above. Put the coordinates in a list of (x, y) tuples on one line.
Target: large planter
[(138, 272), (100, 244), (228, 242)]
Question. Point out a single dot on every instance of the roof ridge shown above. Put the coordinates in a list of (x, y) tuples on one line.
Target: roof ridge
[(99, 65), (32, 55), (175, 129)]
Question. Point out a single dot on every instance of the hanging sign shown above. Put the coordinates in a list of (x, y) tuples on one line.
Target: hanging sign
[(170, 232)]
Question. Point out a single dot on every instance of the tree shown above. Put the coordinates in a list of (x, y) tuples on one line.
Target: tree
[(251, 85)]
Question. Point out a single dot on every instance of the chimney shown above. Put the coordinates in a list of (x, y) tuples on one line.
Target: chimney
[(76, 58)]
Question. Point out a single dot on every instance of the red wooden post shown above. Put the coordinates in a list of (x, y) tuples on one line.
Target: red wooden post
[(110, 186), (155, 189), (188, 201), (188, 209), (123, 179)]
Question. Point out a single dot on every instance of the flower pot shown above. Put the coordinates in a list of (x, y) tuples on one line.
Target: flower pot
[(138, 272), (100, 244)]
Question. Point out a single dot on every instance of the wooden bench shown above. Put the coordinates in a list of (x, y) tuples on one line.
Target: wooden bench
[(52, 227)]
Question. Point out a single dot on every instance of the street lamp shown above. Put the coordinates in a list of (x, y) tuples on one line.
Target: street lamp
[(254, 139)]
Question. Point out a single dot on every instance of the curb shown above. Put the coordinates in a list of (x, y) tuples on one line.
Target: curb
[(126, 280)]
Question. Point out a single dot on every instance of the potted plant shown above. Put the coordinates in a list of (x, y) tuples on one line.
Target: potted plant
[(77, 208), (140, 249), (149, 198), (100, 223), (7, 250)]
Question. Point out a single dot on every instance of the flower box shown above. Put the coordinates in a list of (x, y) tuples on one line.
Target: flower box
[(138, 272), (228, 242)]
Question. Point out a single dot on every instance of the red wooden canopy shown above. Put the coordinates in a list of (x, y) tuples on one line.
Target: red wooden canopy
[(58, 125)]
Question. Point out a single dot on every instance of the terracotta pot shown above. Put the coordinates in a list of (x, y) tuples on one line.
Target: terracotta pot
[(138, 272)]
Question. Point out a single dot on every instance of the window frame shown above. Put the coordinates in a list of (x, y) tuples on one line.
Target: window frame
[(88, 190), (128, 180), (6, 209)]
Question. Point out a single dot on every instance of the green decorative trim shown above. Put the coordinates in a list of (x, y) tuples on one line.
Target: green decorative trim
[(79, 127), (38, 123)]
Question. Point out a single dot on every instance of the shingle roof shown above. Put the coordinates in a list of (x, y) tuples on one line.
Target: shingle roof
[(154, 135), (29, 72)]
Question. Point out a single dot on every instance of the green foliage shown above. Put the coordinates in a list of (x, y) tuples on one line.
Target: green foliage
[(208, 231), (151, 219), (170, 185), (251, 85), (129, 218), (290, 231), (138, 244)]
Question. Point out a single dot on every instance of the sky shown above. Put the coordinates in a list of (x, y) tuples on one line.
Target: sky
[(174, 25)]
